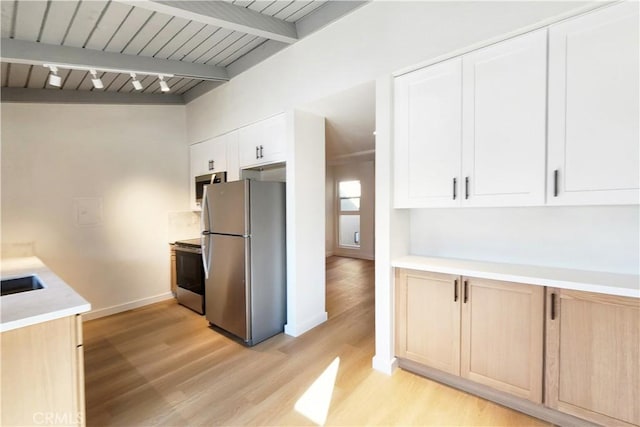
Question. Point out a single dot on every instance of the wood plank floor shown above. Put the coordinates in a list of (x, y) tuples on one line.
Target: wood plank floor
[(162, 365)]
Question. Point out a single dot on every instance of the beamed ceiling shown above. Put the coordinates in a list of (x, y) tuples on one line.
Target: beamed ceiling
[(202, 43)]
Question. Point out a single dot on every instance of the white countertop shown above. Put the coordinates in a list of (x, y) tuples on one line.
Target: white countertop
[(627, 285), (55, 301)]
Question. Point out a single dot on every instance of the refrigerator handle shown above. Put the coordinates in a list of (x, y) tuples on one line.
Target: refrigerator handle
[(204, 236)]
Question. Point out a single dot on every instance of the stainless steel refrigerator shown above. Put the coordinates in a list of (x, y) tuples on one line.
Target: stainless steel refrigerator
[(244, 256)]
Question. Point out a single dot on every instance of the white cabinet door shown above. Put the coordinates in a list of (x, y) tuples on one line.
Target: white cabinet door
[(233, 166), (197, 158), (263, 142), (216, 154), (593, 108), (274, 139), (504, 111), (428, 132)]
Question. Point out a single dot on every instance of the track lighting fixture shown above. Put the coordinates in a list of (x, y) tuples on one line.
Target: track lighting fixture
[(54, 78), (136, 83), (163, 85), (97, 82)]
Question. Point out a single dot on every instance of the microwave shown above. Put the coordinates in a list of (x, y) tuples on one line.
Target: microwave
[(203, 180)]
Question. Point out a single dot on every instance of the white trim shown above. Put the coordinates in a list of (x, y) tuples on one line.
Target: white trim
[(386, 366), (297, 330), (108, 311)]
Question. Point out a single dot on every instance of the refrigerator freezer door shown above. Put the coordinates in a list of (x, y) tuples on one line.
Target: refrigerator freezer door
[(227, 208), (227, 288)]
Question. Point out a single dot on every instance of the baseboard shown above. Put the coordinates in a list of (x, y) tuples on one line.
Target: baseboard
[(108, 311), (328, 254), (386, 366), (505, 399), (352, 255), (297, 330)]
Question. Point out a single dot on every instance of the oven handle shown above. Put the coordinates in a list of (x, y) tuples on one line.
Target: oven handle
[(187, 249)]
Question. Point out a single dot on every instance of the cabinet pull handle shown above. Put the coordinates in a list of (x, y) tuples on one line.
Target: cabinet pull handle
[(466, 187), (466, 291), (257, 152), (261, 155), (553, 306), (555, 183), (211, 165), (455, 290), (455, 186)]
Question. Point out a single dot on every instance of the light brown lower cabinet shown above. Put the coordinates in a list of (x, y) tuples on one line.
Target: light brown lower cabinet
[(490, 332), (593, 356), (43, 374)]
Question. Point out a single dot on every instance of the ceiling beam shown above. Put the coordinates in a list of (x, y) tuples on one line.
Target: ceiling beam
[(224, 15), (33, 53), (56, 96)]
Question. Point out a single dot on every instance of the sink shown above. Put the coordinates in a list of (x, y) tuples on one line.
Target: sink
[(20, 284)]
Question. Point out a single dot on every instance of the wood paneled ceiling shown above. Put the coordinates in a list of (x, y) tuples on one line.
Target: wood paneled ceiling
[(202, 41)]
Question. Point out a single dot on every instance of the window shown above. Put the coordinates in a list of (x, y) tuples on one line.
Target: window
[(349, 214)]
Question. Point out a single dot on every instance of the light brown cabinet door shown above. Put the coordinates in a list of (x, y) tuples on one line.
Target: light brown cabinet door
[(593, 356), (428, 319), (502, 336), (42, 374)]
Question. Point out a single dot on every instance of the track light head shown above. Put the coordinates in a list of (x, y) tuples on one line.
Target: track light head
[(97, 82), (54, 78), (136, 84), (163, 85)]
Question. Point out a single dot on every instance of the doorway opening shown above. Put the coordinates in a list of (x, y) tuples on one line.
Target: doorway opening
[(349, 196)]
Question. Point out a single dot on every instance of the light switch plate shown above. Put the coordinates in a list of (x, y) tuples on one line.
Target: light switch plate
[(88, 211)]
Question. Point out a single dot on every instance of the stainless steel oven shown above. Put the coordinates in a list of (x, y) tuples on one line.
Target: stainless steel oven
[(190, 275)]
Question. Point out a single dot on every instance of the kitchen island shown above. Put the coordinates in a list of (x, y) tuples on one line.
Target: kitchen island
[(42, 352)]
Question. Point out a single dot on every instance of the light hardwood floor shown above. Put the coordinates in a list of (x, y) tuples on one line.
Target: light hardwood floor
[(162, 365)]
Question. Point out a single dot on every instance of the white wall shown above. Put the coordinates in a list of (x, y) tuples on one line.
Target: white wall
[(603, 238), (134, 158), (329, 212), (365, 173), (305, 223)]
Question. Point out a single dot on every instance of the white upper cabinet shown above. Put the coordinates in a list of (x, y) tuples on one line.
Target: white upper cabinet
[(504, 122), (263, 142), (428, 136), (470, 131), (593, 108), (209, 156)]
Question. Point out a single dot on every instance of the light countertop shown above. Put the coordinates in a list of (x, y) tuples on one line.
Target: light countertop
[(55, 301), (627, 285)]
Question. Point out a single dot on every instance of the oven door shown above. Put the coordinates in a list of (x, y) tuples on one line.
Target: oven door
[(189, 269)]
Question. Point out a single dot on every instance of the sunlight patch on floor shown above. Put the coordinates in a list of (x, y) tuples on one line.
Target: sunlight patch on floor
[(314, 403)]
